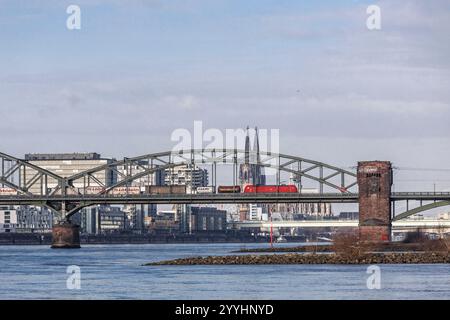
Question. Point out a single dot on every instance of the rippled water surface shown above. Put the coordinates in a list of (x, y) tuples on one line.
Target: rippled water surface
[(116, 272)]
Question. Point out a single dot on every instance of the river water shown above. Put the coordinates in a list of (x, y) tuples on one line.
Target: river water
[(116, 272)]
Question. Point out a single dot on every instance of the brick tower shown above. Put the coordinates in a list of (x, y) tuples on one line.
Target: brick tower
[(374, 183)]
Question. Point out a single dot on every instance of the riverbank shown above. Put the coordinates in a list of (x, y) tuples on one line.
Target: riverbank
[(46, 238), (313, 258)]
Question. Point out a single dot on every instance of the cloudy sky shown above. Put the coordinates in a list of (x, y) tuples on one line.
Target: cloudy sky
[(134, 73)]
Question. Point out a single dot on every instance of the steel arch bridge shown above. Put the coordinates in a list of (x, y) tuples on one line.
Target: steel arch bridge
[(63, 194), (142, 166), (37, 186)]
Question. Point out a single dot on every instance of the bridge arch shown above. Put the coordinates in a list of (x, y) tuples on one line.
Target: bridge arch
[(16, 169), (423, 208), (141, 166)]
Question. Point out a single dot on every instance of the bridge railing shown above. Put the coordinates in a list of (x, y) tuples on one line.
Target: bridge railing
[(428, 193)]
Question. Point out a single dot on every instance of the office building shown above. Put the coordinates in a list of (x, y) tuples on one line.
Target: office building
[(188, 175), (137, 213), (208, 219), (257, 214), (192, 177), (163, 223), (90, 220), (66, 165), (112, 219), (8, 220), (34, 219)]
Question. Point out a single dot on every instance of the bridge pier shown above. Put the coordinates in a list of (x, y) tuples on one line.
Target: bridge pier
[(374, 184), (65, 235)]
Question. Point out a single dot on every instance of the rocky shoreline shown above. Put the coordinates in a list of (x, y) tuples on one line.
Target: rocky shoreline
[(310, 249), (383, 247), (313, 258)]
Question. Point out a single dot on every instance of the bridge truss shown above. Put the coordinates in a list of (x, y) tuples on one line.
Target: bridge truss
[(67, 195)]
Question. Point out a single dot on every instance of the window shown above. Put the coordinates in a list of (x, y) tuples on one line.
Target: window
[(378, 175)]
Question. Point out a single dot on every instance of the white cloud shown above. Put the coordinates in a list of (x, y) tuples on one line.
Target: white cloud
[(183, 102)]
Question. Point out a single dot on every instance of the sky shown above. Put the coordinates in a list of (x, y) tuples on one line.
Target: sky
[(138, 70)]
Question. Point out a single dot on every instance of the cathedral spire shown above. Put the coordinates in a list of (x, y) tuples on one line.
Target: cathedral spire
[(256, 144), (247, 147)]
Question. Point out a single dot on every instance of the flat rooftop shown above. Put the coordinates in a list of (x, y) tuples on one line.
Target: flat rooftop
[(62, 156)]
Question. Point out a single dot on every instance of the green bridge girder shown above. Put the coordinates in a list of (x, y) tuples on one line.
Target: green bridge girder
[(426, 207)]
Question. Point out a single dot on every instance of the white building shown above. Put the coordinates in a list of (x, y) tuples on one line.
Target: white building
[(188, 175), (256, 213), (66, 165), (8, 220)]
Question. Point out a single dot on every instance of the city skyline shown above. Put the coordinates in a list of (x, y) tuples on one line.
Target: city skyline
[(226, 155)]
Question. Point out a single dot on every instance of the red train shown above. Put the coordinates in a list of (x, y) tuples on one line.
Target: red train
[(271, 189), (259, 189)]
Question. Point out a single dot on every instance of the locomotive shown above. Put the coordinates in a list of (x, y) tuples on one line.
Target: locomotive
[(259, 189), (271, 189)]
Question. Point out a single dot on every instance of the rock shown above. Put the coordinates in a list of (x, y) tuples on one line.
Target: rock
[(312, 258)]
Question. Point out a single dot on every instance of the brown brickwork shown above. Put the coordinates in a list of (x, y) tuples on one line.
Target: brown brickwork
[(66, 235), (374, 184), (375, 233)]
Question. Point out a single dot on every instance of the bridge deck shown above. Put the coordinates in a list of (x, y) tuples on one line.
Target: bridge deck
[(402, 224), (214, 198)]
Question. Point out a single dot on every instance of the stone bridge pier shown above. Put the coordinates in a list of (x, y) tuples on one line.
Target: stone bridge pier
[(65, 234), (374, 185)]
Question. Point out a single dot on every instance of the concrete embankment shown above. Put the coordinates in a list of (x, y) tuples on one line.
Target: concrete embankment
[(312, 258)]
